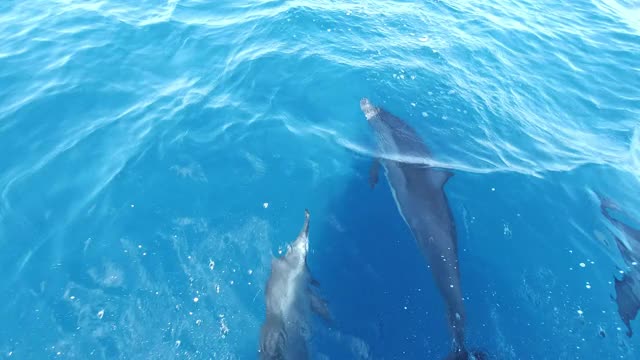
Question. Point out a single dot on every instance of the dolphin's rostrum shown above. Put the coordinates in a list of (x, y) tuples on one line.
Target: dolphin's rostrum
[(419, 195), (291, 295)]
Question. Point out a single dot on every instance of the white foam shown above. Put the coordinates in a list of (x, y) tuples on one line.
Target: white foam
[(224, 329)]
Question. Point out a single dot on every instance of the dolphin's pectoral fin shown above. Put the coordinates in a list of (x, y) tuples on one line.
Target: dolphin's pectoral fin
[(374, 173), (607, 204), (313, 281), (320, 307)]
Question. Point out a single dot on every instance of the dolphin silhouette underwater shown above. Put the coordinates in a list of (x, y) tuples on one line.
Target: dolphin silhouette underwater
[(418, 191), (627, 288), (291, 296)]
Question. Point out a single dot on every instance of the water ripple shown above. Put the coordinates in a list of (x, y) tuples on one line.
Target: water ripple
[(107, 103)]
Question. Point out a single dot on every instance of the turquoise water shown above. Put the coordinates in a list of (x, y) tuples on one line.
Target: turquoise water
[(158, 152)]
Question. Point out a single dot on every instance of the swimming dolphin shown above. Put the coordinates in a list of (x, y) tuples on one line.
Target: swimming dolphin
[(627, 288), (419, 195), (290, 297)]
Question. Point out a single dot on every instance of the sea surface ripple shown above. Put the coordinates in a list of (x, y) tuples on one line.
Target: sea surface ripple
[(154, 154)]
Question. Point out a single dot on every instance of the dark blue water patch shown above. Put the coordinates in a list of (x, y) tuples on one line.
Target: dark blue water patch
[(375, 277), (371, 252)]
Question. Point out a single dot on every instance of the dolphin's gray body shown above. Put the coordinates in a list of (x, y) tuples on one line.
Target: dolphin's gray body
[(627, 288), (290, 298), (422, 202)]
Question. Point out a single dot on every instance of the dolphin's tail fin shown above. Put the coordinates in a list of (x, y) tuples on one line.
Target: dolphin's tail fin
[(468, 355)]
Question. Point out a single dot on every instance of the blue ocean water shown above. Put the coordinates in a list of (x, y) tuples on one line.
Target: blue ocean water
[(155, 155)]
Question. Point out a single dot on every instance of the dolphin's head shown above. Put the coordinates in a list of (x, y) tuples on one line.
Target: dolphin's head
[(370, 111), (300, 247), (382, 125)]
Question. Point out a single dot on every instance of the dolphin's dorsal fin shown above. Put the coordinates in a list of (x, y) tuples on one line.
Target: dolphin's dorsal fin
[(440, 177)]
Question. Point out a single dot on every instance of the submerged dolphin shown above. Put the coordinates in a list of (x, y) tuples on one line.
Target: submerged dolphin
[(627, 288), (290, 299), (422, 203)]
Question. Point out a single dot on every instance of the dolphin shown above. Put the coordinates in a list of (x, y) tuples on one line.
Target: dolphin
[(627, 288), (290, 298), (420, 198)]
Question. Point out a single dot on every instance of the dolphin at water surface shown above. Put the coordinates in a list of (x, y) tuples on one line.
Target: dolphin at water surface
[(290, 298), (419, 195), (627, 288)]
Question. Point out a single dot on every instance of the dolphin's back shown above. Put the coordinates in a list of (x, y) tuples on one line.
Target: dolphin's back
[(628, 298), (627, 288), (403, 137), (289, 302), (418, 190), (282, 340), (273, 339), (282, 334)]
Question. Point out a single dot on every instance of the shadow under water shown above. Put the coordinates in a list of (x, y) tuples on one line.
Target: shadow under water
[(378, 284)]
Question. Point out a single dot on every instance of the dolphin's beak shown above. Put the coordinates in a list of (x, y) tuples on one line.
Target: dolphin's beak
[(367, 108), (365, 105)]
